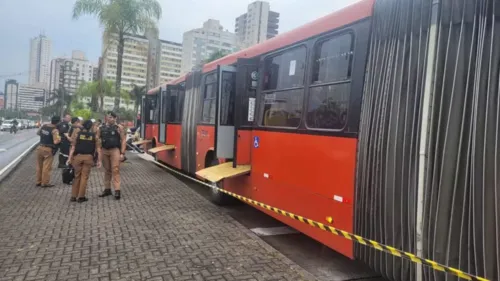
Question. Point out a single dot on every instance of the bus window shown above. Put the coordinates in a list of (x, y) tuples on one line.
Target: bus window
[(156, 110), (175, 104), (283, 88), (331, 85), (227, 98), (150, 110), (209, 95), (164, 107)]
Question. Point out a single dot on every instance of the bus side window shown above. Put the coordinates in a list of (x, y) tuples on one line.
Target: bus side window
[(331, 83), (283, 88), (209, 95), (155, 107)]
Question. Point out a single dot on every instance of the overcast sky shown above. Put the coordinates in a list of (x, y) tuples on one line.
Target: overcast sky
[(21, 20)]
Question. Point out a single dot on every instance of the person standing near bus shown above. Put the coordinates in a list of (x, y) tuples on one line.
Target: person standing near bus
[(83, 146), (112, 142), (63, 128), (49, 138)]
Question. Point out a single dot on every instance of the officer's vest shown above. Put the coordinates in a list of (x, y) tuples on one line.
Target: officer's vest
[(110, 137), (85, 143), (46, 135)]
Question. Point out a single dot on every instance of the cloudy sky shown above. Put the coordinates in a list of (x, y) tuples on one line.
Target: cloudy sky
[(21, 20)]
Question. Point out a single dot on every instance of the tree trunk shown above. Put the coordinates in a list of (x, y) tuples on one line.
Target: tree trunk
[(119, 66), (94, 104), (101, 106)]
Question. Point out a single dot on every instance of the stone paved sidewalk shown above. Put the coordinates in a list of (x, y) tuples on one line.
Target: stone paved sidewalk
[(159, 230)]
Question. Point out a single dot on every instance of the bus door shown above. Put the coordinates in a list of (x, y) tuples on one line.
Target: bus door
[(224, 112), (162, 120), (148, 113), (247, 78)]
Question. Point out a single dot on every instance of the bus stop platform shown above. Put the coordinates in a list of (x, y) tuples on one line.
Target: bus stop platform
[(159, 230)]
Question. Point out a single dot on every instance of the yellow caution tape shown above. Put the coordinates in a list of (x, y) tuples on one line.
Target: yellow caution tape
[(347, 235)]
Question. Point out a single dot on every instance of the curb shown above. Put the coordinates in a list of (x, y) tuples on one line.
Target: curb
[(4, 173)]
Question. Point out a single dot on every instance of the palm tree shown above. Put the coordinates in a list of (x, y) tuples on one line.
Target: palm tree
[(120, 17), (136, 95)]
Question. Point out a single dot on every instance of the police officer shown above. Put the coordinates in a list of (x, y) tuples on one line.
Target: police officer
[(112, 138), (49, 138), (83, 147), (76, 122), (63, 129)]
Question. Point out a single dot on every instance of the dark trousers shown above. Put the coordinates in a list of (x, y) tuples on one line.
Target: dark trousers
[(63, 153)]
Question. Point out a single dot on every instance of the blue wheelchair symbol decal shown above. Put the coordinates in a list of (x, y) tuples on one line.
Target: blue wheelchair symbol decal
[(256, 142)]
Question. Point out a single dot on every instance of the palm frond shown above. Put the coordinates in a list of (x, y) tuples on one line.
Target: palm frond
[(87, 7)]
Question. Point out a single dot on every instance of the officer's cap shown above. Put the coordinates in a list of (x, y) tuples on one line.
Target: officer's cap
[(87, 124)]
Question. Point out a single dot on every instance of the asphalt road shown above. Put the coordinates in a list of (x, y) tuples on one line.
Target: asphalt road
[(12, 145)]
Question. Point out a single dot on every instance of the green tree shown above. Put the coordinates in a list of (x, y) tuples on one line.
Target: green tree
[(136, 95), (84, 113), (119, 17), (215, 56), (62, 101)]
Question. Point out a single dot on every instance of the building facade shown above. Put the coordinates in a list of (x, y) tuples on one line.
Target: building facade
[(69, 73), (257, 25), (147, 60), (198, 44), (11, 94), (170, 61), (31, 98), (40, 54)]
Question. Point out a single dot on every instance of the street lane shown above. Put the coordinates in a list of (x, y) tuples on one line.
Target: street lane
[(12, 145)]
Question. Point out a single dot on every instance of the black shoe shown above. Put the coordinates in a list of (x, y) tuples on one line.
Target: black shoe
[(73, 199), (47, 185), (82, 199), (105, 193), (117, 194)]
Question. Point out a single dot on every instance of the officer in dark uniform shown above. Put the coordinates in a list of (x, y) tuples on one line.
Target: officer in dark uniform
[(83, 147), (112, 139), (49, 138), (63, 128)]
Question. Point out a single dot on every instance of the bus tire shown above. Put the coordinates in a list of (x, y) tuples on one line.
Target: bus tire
[(216, 196)]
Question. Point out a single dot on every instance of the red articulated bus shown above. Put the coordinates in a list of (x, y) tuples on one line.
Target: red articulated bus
[(326, 121)]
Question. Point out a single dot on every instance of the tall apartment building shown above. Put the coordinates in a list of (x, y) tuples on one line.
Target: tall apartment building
[(70, 72), (31, 98), (147, 60), (39, 69), (198, 44), (257, 25), (11, 94)]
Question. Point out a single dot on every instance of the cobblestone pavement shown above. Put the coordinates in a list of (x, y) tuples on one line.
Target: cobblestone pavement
[(159, 230)]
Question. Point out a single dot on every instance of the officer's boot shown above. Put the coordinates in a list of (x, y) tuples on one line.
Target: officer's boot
[(117, 194), (106, 192)]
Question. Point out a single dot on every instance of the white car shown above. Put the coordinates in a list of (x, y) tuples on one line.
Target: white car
[(6, 125)]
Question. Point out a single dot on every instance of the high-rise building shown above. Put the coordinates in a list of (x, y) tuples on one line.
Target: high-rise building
[(147, 60), (257, 25), (40, 52), (2, 100), (31, 98), (11, 94), (198, 44), (70, 72)]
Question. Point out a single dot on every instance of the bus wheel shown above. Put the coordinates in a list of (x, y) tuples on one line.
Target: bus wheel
[(216, 196)]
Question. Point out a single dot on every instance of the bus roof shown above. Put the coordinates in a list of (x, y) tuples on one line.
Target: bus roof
[(347, 15)]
